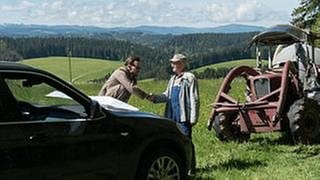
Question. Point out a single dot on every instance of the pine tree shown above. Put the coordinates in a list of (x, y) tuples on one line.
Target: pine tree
[(307, 14)]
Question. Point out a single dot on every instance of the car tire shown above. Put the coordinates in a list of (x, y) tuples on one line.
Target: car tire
[(304, 121), (162, 164)]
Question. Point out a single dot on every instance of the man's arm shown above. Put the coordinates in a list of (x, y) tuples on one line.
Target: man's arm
[(121, 76), (103, 90), (164, 96), (139, 92), (194, 101)]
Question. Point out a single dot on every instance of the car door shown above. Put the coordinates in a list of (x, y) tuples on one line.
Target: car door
[(14, 152), (73, 149), (65, 140), (14, 159)]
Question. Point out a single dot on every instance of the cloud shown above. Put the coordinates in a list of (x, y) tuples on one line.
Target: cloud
[(138, 12), (23, 5), (241, 11)]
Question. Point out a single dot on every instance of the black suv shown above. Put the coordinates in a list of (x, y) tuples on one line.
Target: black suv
[(77, 138)]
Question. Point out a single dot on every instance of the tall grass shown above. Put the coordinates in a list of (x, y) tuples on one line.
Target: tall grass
[(82, 69)]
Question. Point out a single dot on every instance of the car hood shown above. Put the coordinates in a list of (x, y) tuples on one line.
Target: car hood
[(122, 109), (139, 114)]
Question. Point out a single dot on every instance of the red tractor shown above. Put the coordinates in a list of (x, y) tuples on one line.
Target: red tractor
[(285, 96)]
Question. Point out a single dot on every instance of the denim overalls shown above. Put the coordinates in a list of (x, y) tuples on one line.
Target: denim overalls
[(174, 100)]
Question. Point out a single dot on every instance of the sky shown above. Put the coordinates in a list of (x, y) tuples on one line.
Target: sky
[(131, 13)]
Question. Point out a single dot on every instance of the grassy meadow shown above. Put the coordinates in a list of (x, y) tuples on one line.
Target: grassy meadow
[(264, 156), (83, 69), (229, 64)]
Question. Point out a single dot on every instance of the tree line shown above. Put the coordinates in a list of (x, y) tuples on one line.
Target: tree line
[(202, 49)]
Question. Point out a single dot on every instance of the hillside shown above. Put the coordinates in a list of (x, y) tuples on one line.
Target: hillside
[(229, 64), (201, 49), (83, 69)]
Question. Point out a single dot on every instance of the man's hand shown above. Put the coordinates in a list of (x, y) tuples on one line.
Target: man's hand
[(151, 97)]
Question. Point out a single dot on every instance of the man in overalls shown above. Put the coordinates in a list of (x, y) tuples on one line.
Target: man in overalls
[(181, 98)]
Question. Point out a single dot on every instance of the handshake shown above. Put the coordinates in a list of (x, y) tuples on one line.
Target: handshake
[(151, 97), (144, 95)]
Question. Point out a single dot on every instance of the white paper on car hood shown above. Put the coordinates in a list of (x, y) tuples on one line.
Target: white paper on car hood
[(113, 104)]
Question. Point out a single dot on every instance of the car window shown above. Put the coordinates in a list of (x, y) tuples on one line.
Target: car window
[(34, 104), (35, 94)]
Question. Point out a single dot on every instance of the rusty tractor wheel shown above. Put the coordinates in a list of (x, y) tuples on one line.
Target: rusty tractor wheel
[(227, 128), (304, 120)]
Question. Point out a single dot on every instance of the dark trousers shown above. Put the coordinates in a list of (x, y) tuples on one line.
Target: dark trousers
[(193, 161), (187, 130)]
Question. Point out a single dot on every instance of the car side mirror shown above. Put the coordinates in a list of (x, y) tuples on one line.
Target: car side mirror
[(95, 110), (31, 82)]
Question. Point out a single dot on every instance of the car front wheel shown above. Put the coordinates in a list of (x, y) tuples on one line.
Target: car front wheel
[(161, 165)]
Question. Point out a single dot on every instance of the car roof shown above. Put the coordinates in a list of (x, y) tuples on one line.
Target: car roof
[(5, 65), (16, 66), (281, 34)]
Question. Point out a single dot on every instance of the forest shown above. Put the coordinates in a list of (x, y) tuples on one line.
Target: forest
[(202, 49)]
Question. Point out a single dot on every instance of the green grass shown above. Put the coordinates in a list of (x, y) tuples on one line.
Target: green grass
[(264, 156), (230, 64), (83, 69)]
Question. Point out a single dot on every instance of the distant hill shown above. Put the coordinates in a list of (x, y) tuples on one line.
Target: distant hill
[(201, 49), (18, 30), (176, 30), (230, 64), (221, 70), (237, 28), (43, 30)]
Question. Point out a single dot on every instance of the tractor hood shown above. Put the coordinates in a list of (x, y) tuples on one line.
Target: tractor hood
[(285, 53)]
